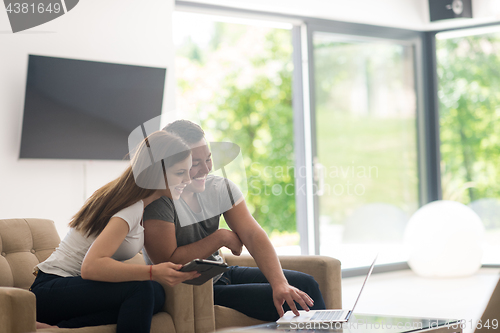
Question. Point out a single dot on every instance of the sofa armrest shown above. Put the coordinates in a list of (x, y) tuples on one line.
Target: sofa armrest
[(17, 310), (191, 307), (325, 270)]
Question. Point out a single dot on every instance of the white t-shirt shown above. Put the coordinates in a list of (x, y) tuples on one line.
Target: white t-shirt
[(68, 257)]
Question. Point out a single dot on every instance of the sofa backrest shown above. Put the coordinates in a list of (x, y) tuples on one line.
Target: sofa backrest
[(24, 243)]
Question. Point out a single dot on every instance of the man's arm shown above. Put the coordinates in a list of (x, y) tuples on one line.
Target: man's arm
[(161, 244), (258, 244)]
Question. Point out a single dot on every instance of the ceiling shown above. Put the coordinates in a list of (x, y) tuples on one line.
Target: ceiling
[(408, 14)]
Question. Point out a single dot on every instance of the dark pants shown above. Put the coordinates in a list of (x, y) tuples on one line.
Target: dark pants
[(73, 302), (246, 289)]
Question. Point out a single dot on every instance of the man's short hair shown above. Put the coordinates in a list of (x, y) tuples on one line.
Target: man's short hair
[(186, 130)]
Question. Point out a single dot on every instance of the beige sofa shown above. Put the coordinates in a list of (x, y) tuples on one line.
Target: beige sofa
[(188, 309), (26, 242)]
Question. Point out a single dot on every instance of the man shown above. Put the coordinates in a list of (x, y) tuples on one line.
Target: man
[(192, 231)]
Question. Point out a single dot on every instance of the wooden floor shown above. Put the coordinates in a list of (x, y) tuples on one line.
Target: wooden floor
[(403, 293)]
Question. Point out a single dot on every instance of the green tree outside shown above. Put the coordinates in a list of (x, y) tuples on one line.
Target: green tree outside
[(469, 95), (246, 74)]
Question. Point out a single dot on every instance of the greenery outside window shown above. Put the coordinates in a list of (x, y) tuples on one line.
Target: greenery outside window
[(469, 119), (236, 78)]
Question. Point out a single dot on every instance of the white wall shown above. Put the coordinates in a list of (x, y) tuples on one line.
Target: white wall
[(120, 31), (483, 11)]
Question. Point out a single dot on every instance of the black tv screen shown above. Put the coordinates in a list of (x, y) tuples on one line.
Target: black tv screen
[(77, 109)]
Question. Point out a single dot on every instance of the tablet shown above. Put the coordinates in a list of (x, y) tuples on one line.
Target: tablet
[(207, 268)]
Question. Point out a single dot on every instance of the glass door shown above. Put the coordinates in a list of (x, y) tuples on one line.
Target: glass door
[(365, 131)]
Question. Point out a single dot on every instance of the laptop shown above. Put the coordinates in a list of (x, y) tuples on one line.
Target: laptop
[(323, 316)]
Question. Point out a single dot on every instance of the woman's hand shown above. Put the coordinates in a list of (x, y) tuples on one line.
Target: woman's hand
[(231, 241), (168, 273)]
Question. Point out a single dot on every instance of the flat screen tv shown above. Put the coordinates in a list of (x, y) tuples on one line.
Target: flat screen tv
[(76, 109)]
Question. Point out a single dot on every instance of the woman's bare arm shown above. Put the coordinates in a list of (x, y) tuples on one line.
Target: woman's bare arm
[(99, 265)]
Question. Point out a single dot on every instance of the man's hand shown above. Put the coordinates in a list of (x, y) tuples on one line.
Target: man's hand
[(287, 293), (231, 241)]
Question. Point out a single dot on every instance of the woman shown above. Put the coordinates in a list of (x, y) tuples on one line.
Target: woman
[(84, 282)]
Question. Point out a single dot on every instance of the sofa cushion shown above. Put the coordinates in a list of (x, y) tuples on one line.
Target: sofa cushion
[(24, 243)]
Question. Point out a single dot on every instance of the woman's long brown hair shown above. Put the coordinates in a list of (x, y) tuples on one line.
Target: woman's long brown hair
[(139, 181)]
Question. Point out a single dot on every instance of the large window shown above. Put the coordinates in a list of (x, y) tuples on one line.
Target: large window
[(358, 90), (235, 77), (469, 99), (366, 147)]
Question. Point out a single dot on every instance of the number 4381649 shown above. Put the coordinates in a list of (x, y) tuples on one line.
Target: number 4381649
[(40, 8)]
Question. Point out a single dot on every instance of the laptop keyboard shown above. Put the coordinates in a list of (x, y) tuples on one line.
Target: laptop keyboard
[(327, 315)]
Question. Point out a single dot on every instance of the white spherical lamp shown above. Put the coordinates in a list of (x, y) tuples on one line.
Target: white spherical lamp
[(444, 239)]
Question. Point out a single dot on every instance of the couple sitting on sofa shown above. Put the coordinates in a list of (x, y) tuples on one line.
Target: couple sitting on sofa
[(180, 224)]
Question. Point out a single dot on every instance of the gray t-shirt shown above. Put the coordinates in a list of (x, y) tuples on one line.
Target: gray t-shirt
[(191, 227)]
